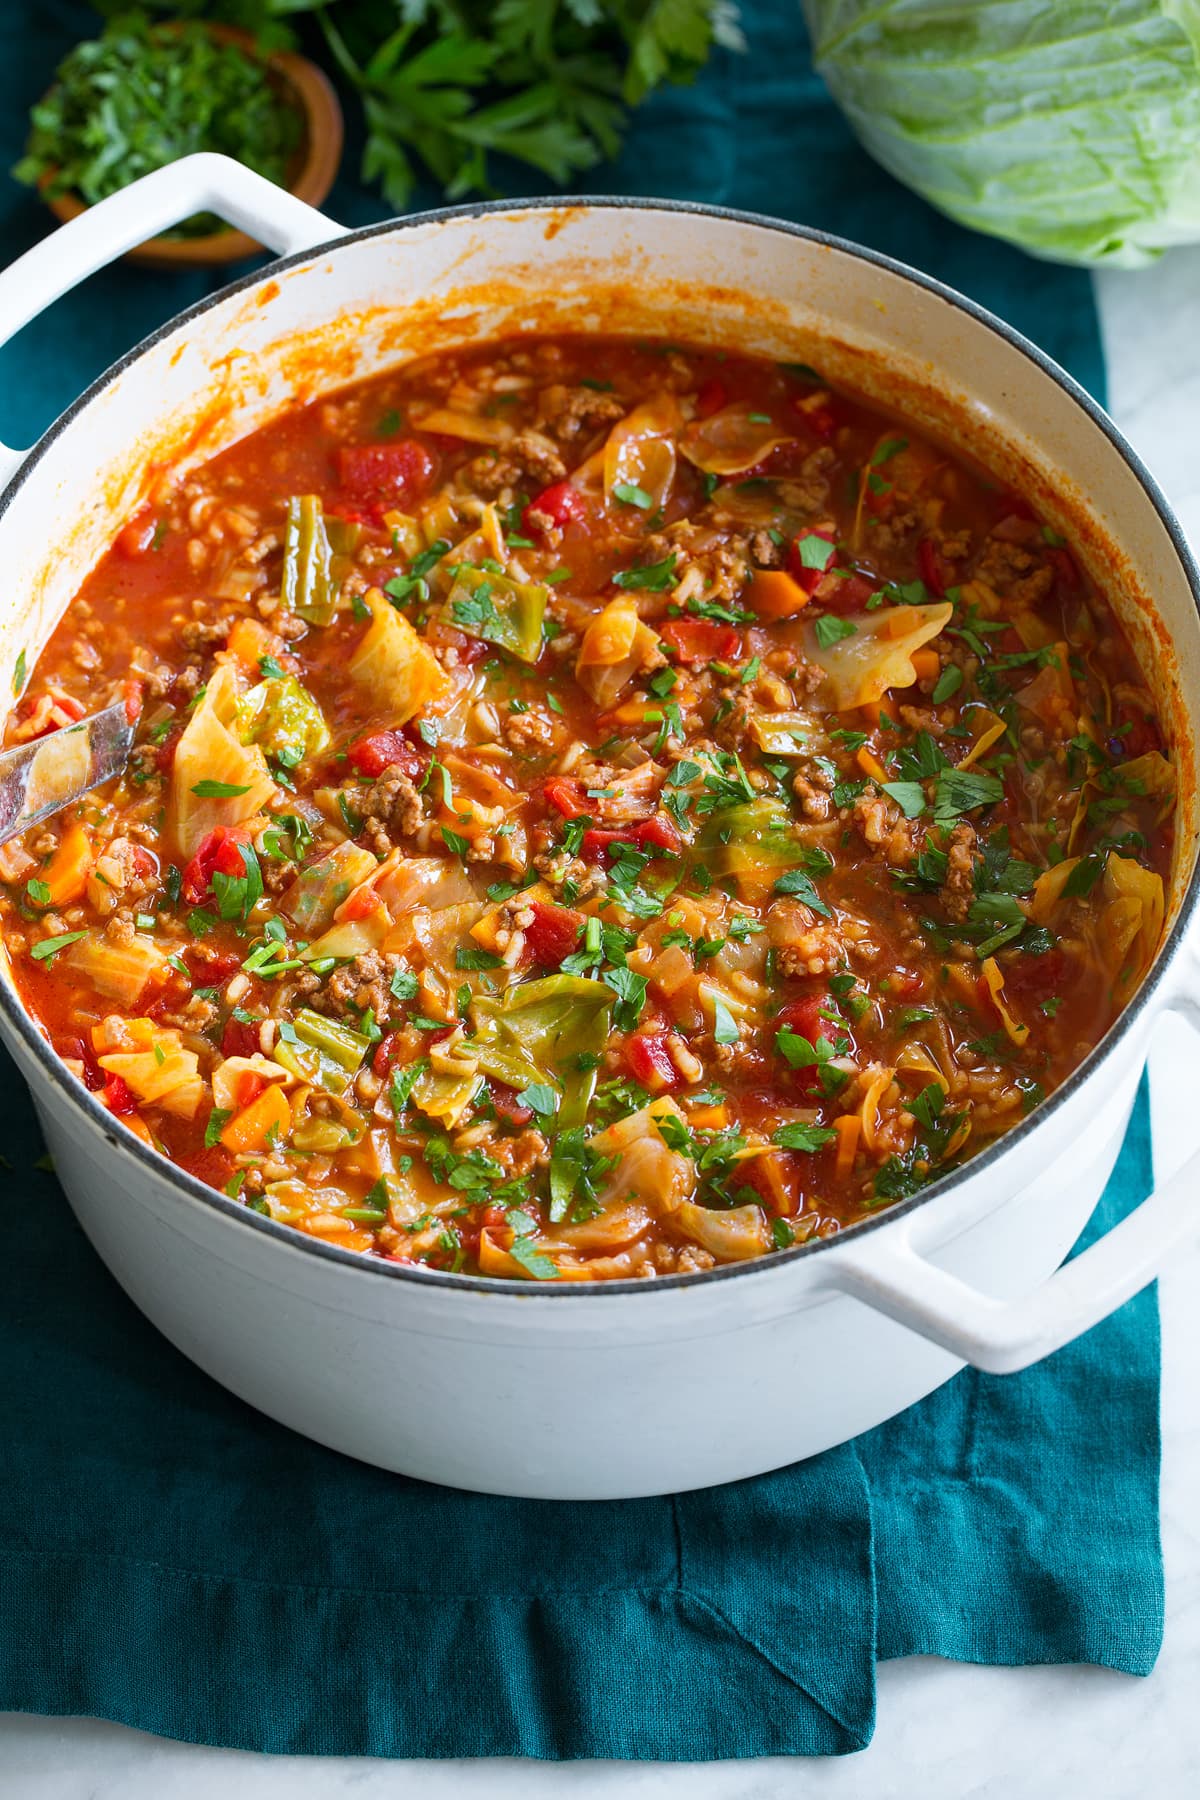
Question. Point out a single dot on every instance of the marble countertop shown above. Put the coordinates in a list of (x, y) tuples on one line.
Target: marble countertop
[(944, 1731)]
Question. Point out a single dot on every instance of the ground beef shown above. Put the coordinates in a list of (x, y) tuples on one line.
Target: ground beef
[(277, 875), (808, 492), (527, 460), (358, 987), (1013, 572), (392, 810), (532, 730), (569, 413), (881, 825), (895, 530), (814, 801), (206, 634), (958, 888), (763, 551)]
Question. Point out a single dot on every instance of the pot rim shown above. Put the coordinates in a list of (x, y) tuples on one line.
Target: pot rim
[(22, 1023)]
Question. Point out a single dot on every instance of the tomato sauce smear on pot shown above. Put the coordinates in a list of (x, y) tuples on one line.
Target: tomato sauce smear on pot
[(599, 810)]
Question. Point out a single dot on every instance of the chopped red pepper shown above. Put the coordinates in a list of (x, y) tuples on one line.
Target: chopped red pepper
[(400, 470), (931, 568), (211, 1163), (808, 579), (117, 1097), (701, 640), (218, 854), (560, 502), (656, 835), (552, 934)]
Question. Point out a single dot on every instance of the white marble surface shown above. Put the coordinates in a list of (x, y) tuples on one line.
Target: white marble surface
[(945, 1732)]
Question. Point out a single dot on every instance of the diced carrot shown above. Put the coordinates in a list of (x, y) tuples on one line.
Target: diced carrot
[(871, 765), (250, 1129), (872, 711), (249, 641), (709, 1118), (773, 594), (68, 869), (848, 1128), (926, 663)]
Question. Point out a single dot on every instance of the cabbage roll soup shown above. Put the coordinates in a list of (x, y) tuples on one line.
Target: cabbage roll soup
[(599, 809)]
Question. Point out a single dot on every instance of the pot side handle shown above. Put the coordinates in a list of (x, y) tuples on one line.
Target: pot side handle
[(886, 1272), (201, 183)]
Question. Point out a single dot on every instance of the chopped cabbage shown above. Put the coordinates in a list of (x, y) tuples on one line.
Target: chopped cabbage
[(877, 654), (215, 778), (733, 440), (1071, 129), (399, 670)]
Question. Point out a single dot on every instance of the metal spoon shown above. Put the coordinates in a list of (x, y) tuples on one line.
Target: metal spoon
[(38, 779)]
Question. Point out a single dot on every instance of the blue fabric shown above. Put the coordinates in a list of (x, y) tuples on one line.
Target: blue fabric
[(170, 1559)]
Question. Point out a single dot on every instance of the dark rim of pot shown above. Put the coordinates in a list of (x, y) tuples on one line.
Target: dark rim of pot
[(581, 1292)]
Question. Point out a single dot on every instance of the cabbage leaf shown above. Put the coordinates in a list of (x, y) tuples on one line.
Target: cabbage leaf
[(1071, 129)]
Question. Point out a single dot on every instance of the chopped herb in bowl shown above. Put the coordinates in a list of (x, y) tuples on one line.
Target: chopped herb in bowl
[(141, 95)]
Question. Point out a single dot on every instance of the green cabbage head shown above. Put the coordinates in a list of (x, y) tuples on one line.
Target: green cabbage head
[(1070, 127)]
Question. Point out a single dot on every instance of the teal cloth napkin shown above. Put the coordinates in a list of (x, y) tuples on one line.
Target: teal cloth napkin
[(172, 1560)]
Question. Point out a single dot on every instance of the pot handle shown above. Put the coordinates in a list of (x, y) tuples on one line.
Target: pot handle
[(887, 1272), (202, 183)]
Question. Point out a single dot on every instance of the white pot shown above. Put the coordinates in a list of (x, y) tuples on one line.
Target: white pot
[(591, 1392)]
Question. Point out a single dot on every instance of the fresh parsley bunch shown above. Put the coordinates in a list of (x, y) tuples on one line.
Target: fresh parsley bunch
[(450, 84)]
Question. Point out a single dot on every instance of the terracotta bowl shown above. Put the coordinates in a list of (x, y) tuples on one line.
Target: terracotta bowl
[(314, 164)]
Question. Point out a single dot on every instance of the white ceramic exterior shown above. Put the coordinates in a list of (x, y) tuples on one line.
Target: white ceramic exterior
[(626, 1388)]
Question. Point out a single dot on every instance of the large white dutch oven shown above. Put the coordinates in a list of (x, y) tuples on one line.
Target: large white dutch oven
[(624, 1388)]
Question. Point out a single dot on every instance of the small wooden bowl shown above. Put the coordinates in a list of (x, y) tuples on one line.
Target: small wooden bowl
[(314, 167)]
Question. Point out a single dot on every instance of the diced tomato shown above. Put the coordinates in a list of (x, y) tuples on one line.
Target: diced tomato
[(117, 1097), (808, 579), (131, 693), (493, 1216), (239, 1038), (560, 502), (567, 796), (654, 835), (821, 420), (211, 1163), (212, 969), (701, 640), (386, 750), (360, 903), (45, 712), (1065, 569), (218, 853), (650, 1062), (396, 471), (134, 539), (845, 593), (508, 1107), (1138, 733), (1028, 980), (710, 397), (77, 1049), (803, 1016), (930, 567), (387, 1052), (552, 934)]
